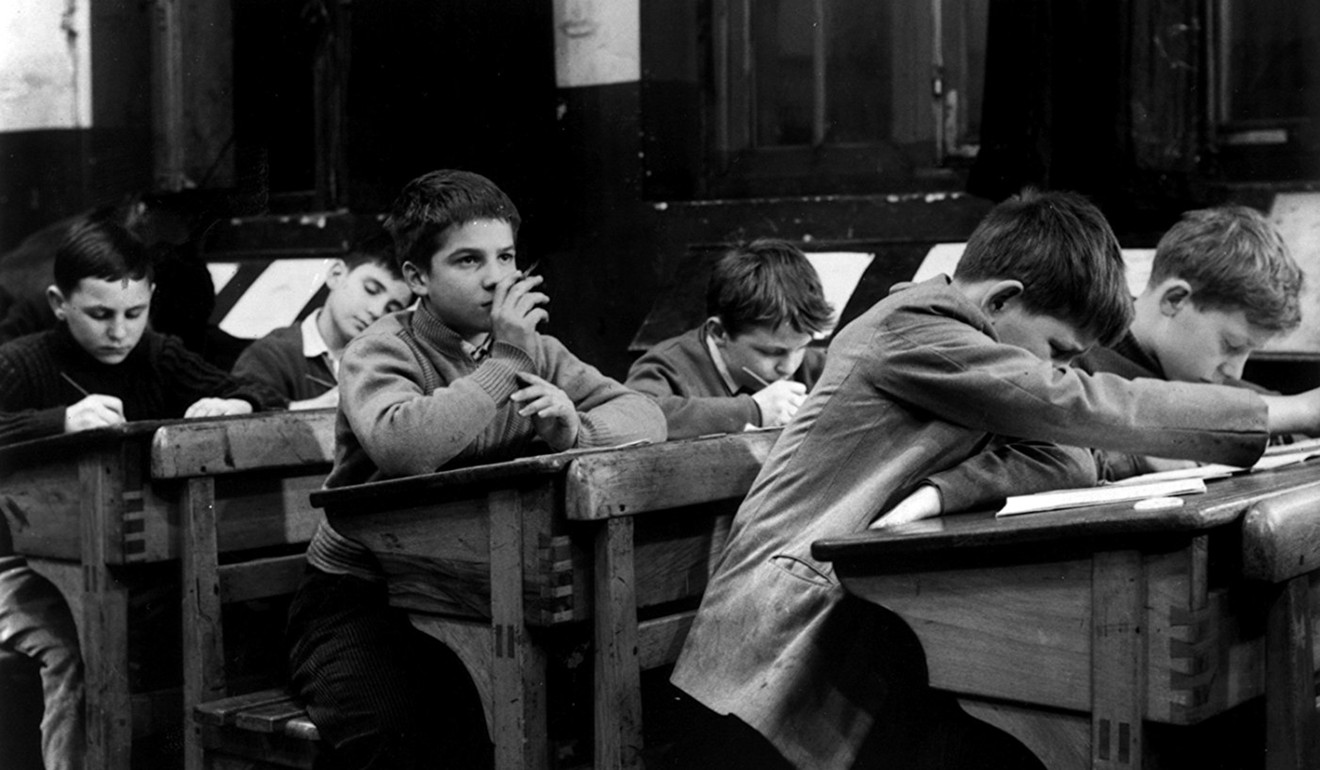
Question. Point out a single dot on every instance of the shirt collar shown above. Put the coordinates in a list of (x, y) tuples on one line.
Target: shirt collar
[(432, 328), (313, 344), (718, 359)]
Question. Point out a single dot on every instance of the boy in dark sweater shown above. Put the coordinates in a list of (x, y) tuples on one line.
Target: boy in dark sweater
[(99, 367), (749, 364), (464, 376), (302, 361)]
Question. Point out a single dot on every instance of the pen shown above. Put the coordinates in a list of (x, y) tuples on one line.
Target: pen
[(79, 388), (756, 377), (531, 268), (320, 381)]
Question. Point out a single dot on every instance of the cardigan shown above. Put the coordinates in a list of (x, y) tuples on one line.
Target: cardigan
[(413, 400), (913, 386), (680, 375)]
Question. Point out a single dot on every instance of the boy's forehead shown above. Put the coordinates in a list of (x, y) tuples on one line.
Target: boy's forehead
[(90, 289)]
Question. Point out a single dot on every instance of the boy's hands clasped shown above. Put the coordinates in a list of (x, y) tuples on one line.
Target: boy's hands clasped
[(779, 401), (553, 414)]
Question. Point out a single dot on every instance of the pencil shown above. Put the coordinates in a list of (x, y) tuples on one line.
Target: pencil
[(79, 388), (531, 268), (320, 381), (757, 377)]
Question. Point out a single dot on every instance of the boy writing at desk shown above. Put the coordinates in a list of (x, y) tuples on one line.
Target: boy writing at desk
[(749, 363), (916, 385), (1222, 284), (99, 367), (302, 361), (464, 376)]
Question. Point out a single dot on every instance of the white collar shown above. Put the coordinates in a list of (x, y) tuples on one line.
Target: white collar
[(313, 344)]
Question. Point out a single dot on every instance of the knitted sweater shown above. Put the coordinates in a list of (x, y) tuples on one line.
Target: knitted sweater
[(680, 375), (159, 379), (278, 361), (412, 401)]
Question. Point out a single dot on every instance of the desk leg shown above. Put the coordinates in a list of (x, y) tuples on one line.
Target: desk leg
[(1290, 718), (518, 672), (203, 636), (105, 616), (618, 703), (1118, 659)]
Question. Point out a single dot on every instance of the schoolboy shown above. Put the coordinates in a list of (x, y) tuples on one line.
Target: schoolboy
[(916, 385), (749, 363), (1222, 284), (464, 376), (301, 361), (100, 366)]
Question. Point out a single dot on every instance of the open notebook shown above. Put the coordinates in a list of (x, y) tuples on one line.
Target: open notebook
[(1184, 481)]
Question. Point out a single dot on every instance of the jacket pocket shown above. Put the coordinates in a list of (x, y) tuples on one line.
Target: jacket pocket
[(803, 569)]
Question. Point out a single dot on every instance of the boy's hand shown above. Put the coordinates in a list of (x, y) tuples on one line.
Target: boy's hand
[(516, 311), (217, 407), (94, 411), (327, 400), (553, 414), (923, 503), (779, 401), (1299, 413)]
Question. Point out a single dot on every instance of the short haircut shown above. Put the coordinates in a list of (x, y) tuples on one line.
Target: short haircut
[(768, 282), (1065, 254), (376, 247), (429, 205), (1234, 259), (98, 246)]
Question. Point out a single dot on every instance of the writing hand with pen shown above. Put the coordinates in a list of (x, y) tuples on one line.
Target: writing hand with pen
[(778, 400)]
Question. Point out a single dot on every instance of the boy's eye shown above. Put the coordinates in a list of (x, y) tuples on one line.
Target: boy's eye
[(99, 315), (133, 313), (506, 257)]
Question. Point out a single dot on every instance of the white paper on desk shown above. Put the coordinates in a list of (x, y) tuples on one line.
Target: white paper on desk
[(1114, 493), (1274, 457)]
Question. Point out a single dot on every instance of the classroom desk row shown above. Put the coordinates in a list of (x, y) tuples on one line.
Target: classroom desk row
[(104, 513), (1071, 630)]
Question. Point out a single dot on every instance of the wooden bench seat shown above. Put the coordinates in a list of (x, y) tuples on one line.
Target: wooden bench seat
[(264, 729)]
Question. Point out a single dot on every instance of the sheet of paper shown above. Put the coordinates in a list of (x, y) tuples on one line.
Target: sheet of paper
[(1078, 498)]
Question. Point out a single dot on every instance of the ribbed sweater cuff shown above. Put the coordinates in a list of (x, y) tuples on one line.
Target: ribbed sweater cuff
[(497, 375)]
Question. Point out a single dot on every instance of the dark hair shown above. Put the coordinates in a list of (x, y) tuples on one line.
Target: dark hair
[(376, 247), (1063, 251), (100, 247), (767, 282), (432, 203), (1234, 259)]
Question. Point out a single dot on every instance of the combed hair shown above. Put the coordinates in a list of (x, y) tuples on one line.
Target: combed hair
[(1065, 254), (1234, 259), (768, 282), (100, 247), (432, 203)]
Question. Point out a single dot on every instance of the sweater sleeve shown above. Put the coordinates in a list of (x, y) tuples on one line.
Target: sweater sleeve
[(406, 429), (264, 362), (967, 378), (689, 415), (191, 377), (20, 417), (611, 414)]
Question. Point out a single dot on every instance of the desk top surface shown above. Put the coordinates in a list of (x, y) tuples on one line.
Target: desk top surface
[(1224, 502)]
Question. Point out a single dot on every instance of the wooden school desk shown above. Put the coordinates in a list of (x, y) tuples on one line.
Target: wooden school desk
[(498, 561), (101, 512), (1076, 630)]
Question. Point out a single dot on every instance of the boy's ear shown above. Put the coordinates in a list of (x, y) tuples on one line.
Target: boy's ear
[(1175, 295), (996, 298), (414, 277), (335, 275), (57, 301), (717, 330)]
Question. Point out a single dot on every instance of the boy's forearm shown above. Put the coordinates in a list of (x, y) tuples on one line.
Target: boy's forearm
[(1298, 413)]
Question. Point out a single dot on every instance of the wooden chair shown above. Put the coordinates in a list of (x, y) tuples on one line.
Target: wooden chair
[(1281, 547), (245, 521)]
